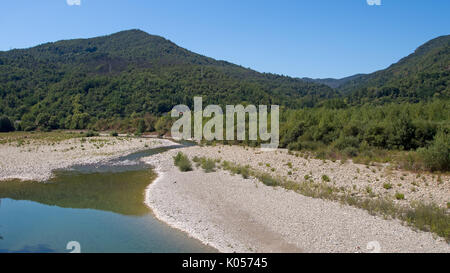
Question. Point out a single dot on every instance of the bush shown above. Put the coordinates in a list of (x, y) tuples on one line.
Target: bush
[(208, 165), (237, 169), (182, 162), (325, 178), (437, 156), (91, 134), (245, 172), (6, 125), (350, 151), (268, 180)]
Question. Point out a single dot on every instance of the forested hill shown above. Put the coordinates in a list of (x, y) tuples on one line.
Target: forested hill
[(423, 75), (132, 72), (334, 83)]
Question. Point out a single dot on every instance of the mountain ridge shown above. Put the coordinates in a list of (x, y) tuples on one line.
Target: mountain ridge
[(423, 74), (132, 72)]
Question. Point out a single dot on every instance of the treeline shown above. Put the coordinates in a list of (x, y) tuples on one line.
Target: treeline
[(350, 132)]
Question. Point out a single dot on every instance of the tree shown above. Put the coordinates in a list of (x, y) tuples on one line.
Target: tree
[(141, 128), (43, 121), (6, 125), (437, 155)]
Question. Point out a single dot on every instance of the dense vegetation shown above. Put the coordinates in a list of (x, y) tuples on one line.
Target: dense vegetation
[(73, 84), (128, 81), (364, 130)]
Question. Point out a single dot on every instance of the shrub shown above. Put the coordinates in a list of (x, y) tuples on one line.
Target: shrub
[(209, 165), (387, 186), (182, 162), (268, 180), (350, 151), (6, 125), (91, 134), (325, 178), (237, 169), (245, 172), (437, 156)]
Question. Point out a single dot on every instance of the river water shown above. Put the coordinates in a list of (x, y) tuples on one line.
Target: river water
[(98, 206)]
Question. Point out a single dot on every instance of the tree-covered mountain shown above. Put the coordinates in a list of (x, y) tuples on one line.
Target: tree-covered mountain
[(131, 73), (423, 75), (334, 83)]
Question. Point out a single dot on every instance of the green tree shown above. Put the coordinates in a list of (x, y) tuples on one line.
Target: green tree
[(43, 121), (6, 125), (437, 156)]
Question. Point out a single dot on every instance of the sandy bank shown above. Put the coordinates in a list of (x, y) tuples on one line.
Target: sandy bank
[(235, 214)]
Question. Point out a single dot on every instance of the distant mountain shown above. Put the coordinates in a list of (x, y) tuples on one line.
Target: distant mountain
[(420, 76), (334, 83), (132, 72)]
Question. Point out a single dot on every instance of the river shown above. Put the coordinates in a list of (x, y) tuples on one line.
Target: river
[(98, 206)]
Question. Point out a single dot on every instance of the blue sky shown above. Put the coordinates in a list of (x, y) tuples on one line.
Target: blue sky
[(300, 38)]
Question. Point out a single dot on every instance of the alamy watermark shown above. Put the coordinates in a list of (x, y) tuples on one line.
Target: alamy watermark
[(74, 246), (213, 129)]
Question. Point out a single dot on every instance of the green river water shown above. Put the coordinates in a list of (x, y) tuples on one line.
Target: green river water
[(100, 206)]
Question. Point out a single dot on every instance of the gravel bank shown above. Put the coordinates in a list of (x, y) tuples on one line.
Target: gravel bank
[(356, 179), (36, 160), (235, 214)]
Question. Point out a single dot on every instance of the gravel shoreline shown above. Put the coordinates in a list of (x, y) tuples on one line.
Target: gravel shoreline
[(233, 214), (36, 161)]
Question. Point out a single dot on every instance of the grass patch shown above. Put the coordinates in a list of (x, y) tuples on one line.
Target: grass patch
[(207, 164), (268, 180), (399, 196), (244, 171)]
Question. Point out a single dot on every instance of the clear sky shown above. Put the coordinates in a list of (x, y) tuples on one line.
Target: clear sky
[(300, 38)]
